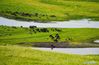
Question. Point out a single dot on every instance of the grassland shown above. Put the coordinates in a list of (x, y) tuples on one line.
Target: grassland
[(16, 55), (50, 10), (15, 35)]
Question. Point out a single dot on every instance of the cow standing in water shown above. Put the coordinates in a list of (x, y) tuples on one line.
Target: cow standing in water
[(52, 46)]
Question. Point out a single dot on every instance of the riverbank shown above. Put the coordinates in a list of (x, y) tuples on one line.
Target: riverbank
[(50, 10), (60, 44)]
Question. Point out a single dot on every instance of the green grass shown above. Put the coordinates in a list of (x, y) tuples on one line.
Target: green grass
[(14, 35), (16, 55), (50, 10)]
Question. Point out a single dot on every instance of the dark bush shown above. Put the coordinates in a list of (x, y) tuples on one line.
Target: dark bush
[(21, 26), (44, 30), (14, 14), (36, 14), (32, 27), (58, 30), (57, 36), (51, 36), (55, 40), (52, 16), (38, 29), (26, 14)]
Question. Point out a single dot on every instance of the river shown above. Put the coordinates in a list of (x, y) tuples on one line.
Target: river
[(80, 51), (83, 23)]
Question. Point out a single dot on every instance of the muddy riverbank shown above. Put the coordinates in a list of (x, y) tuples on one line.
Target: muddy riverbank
[(59, 44)]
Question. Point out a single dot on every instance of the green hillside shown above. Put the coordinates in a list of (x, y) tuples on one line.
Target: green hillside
[(16, 55), (16, 35), (50, 10)]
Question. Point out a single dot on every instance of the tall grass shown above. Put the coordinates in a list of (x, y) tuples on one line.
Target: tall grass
[(60, 9), (16, 55)]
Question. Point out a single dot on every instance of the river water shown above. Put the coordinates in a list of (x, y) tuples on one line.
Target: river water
[(80, 51), (83, 23)]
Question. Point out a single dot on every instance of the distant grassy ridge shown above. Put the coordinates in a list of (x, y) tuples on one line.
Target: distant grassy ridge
[(50, 10), (16, 55), (15, 35), (84, 0)]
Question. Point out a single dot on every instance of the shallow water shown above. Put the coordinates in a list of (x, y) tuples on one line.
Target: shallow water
[(84, 23), (80, 51)]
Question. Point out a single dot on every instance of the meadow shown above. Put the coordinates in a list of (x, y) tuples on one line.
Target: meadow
[(15, 35), (17, 55), (15, 42), (49, 10)]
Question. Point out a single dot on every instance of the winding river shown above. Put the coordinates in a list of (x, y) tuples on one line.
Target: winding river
[(83, 23)]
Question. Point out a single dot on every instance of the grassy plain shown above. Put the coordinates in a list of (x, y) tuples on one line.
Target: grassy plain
[(14, 35), (50, 10)]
